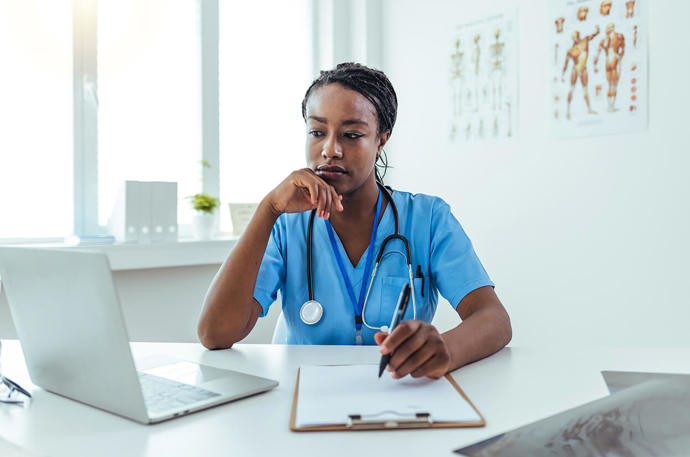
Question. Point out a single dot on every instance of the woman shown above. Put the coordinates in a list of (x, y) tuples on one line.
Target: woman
[(349, 113)]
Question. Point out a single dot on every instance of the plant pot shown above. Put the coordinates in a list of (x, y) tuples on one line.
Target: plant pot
[(204, 225)]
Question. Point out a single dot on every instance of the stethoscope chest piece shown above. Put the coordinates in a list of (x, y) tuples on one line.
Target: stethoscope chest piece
[(311, 312)]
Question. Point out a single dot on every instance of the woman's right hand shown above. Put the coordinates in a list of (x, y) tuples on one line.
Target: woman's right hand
[(303, 190)]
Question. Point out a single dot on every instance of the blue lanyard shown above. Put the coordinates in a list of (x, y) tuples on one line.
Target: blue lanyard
[(357, 305)]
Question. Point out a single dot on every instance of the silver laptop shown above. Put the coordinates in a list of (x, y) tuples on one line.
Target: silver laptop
[(75, 343)]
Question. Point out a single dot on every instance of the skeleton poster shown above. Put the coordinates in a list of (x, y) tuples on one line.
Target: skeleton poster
[(598, 67), (483, 79)]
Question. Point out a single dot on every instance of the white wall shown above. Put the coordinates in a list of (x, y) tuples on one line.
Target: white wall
[(586, 239)]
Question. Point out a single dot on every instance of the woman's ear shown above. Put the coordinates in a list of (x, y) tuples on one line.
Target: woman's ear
[(383, 139)]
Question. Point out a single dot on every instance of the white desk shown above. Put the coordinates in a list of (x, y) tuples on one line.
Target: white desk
[(511, 388)]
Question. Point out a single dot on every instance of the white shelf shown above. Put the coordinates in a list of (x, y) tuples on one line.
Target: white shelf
[(159, 255), (180, 254)]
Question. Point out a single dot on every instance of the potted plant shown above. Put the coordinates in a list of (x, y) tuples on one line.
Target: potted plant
[(204, 221)]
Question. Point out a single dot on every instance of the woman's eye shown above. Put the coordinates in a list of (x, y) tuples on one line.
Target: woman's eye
[(353, 136), (315, 133)]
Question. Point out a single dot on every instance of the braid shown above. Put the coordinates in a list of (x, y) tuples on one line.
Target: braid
[(372, 84)]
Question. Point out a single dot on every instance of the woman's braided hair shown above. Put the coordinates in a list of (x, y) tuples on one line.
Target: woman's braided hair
[(372, 84)]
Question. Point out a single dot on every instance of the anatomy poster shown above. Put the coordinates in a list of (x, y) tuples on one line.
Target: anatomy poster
[(598, 67), (483, 76)]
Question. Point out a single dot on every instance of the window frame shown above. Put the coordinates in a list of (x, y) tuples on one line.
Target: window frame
[(332, 41), (85, 107)]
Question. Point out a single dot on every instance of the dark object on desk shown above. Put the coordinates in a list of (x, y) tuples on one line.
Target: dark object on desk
[(12, 387), (400, 309), (646, 420)]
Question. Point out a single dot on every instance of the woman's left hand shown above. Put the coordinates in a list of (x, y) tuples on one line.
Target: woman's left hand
[(417, 349)]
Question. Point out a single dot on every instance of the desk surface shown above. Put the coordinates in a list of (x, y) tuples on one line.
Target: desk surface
[(511, 388)]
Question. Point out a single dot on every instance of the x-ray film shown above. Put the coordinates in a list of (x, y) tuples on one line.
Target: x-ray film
[(651, 419)]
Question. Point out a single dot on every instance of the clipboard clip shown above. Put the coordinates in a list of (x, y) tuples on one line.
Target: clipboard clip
[(421, 420)]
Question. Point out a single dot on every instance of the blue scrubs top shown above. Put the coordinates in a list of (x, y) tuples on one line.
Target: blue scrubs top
[(438, 245)]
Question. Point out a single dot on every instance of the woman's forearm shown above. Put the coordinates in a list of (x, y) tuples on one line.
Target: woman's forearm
[(481, 334), (230, 311)]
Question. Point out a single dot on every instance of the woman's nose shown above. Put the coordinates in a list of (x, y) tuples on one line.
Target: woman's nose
[(331, 149)]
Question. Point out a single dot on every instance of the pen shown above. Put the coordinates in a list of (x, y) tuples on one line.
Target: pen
[(398, 314), (420, 275)]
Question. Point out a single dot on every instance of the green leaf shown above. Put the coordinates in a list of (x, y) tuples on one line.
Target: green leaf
[(204, 202)]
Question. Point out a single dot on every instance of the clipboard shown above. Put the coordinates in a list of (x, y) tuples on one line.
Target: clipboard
[(421, 420)]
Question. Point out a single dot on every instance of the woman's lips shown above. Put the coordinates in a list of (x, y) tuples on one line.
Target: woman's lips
[(330, 172)]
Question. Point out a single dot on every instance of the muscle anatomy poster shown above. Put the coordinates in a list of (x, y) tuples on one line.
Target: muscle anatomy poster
[(483, 75), (598, 67)]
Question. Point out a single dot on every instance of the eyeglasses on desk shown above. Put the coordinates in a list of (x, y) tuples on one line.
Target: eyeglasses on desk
[(11, 392)]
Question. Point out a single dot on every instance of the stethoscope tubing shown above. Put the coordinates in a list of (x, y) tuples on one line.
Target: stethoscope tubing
[(310, 230), (379, 257)]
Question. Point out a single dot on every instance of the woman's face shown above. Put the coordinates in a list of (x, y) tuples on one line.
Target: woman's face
[(342, 137)]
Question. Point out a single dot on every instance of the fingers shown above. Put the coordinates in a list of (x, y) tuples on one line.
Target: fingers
[(329, 201), (431, 360), (337, 203), (313, 192), (325, 202), (303, 190), (321, 206), (409, 355), (417, 349), (434, 367), (412, 363), (323, 197), (400, 334)]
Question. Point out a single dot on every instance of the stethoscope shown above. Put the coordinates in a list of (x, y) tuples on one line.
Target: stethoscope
[(312, 311)]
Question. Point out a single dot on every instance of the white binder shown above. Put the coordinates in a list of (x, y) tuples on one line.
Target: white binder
[(145, 212), (124, 223), (163, 211), (142, 190)]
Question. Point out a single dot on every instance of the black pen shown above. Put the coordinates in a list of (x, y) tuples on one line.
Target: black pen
[(421, 276), (400, 308)]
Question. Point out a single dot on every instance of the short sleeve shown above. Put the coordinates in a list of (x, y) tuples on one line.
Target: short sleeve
[(271, 276), (455, 267)]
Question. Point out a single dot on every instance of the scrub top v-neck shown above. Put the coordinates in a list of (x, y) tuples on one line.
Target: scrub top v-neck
[(443, 260)]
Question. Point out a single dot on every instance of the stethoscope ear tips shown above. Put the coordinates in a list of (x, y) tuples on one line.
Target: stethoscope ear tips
[(384, 329)]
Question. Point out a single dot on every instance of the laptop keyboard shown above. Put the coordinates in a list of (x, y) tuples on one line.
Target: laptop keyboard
[(162, 394)]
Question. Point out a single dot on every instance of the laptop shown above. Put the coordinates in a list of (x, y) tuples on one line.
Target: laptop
[(68, 318)]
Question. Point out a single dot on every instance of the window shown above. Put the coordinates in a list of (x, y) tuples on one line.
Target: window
[(36, 166), (264, 69), (149, 87), (102, 91)]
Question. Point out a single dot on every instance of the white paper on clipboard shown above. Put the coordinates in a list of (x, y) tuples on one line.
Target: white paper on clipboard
[(329, 395)]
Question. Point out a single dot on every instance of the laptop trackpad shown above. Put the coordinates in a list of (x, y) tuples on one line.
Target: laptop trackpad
[(187, 372)]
